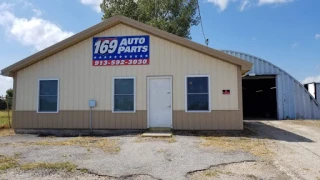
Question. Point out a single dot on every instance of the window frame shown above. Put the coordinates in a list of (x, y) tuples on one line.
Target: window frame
[(58, 95), (134, 94), (186, 95)]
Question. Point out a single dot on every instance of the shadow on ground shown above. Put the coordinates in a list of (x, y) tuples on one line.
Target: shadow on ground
[(272, 132), (252, 129)]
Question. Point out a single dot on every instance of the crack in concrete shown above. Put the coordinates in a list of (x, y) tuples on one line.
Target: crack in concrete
[(120, 177), (222, 164), (188, 173)]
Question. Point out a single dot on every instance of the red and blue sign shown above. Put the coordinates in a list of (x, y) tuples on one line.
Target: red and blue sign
[(120, 50)]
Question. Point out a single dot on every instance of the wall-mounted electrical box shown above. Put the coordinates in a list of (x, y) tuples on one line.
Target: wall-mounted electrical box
[(92, 103)]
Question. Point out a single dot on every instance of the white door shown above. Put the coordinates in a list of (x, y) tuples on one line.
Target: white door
[(160, 101)]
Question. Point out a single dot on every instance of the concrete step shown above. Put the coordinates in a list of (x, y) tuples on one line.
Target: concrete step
[(157, 134), (159, 129)]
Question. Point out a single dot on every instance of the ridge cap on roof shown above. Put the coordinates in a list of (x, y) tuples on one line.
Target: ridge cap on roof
[(108, 23)]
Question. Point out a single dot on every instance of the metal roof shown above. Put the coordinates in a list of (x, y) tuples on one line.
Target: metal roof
[(293, 100)]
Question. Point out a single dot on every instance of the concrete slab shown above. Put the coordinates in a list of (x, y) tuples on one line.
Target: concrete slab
[(157, 134)]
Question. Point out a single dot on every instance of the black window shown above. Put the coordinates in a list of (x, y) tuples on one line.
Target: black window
[(123, 95), (198, 94), (48, 96)]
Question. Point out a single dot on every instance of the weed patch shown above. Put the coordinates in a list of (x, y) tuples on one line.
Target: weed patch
[(257, 147), (7, 163), (106, 145), (212, 173), (6, 132), (84, 170), (66, 166), (163, 139), (4, 119)]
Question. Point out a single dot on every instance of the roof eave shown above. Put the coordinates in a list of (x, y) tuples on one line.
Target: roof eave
[(245, 65), (9, 71)]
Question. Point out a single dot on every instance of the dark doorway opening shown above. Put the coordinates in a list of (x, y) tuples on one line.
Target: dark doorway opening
[(259, 97)]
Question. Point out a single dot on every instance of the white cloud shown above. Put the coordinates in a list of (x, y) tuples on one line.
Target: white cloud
[(244, 5), (262, 2), (5, 84), (222, 4), (295, 44), (35, 32), (311, 79), (317, 36), (95, 4), (37, 12), (6, 6), (27, 5)]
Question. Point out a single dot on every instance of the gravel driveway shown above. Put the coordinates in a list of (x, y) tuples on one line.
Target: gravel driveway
[(295, 155), (158, 159), (296, 145)]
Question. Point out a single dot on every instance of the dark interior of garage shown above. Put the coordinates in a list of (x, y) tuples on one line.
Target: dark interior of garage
[(259, 97)]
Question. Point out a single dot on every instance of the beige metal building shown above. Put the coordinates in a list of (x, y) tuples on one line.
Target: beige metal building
[(181, 84)]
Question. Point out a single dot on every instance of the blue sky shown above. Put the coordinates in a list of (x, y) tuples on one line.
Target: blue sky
[(284, 32)]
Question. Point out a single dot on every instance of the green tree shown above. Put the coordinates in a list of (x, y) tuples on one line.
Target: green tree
[(9, 93), (9, 96), (173, 16)]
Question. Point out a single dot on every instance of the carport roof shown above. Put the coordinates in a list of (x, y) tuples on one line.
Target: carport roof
[(9, 71)]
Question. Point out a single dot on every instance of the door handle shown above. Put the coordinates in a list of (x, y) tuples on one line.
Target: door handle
[(169, 106)]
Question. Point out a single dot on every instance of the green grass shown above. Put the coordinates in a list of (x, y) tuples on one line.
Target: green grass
[(7, 163), (54, 166), (4, 119)]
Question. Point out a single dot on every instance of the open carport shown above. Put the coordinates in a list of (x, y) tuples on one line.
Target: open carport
[(293, 101), (259, 97)]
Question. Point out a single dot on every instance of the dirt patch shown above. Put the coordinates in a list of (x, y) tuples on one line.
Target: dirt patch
[(151, 139), (107, 145), (242, 170), (6, 132), (257, 147)]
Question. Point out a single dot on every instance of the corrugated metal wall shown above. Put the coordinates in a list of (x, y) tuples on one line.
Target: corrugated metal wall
[(294, 101), (318, 91)]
